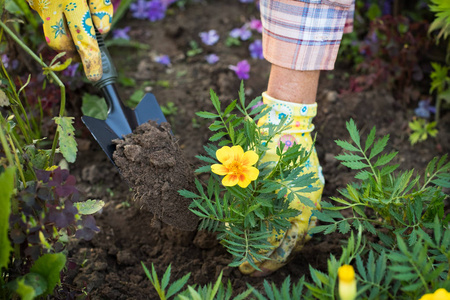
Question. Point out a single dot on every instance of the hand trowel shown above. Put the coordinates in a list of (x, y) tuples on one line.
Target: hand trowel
[(121, 120)]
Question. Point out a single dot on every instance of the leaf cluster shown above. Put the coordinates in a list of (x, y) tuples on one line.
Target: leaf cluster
[(404, 272), (386, 203), (246, 217)]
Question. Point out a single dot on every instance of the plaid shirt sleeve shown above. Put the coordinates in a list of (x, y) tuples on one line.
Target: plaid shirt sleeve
[(304, 35)]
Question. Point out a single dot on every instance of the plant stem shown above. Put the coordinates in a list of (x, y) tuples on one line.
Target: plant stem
[(53, 76)]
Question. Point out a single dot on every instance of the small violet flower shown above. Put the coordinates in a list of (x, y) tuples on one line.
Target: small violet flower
[(242, 69), (212, 58), (255, 24), (140, 9), (256, 49), (209, 37), (162, 59), (156, 10), (71, 70), (121, 33), (8, 63), (243, 33), (424, 109), (246, 1)]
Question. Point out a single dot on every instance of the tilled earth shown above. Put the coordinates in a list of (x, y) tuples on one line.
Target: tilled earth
[(109, 266)]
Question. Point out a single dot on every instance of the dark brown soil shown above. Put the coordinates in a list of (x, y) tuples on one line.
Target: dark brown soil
[(109, 266), (151, 160)]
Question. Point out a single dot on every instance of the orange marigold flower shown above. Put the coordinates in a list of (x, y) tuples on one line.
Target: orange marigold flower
[(236, 166)]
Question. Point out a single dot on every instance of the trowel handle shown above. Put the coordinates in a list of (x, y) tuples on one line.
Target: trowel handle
[(109, 71)]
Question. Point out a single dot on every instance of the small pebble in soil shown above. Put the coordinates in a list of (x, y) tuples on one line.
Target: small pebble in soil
[(153, 164)]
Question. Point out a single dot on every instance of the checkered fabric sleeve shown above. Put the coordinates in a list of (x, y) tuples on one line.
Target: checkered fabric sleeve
[(305, 35)]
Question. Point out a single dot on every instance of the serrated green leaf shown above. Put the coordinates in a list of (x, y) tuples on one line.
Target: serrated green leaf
[(412, 287), (67, 142), (370, 139), (89, 207), (218, 136), (215, 100), (384, 159), (353, 131), (379, 146), (401, 268), (177, 285), (230, 107), (355, 165), (203, 169), (349, 157), (188, 194), (344, 227), (166, 278), (346, 146), (363, 175), (207, 115)]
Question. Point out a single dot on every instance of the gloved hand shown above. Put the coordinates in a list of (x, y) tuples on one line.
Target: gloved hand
[(286, 243), (69, 26)]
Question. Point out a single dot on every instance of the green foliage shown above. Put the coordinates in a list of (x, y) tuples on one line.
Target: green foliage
[(67, 142), (89, 207), (43, 277), (246, 217), (207, 292), (94, 106), (194, 49), (6, 191), (421, 129), (170, 109), (440, 81), (441, 8)]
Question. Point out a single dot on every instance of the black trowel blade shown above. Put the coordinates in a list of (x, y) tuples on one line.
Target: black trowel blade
[(103, 134), (148, 109)]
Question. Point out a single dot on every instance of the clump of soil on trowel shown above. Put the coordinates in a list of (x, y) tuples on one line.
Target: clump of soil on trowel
[(155, 167)]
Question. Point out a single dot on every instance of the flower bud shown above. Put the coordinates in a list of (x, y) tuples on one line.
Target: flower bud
[(347, 282)]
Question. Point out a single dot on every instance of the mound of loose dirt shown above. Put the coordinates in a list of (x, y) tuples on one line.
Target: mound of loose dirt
[(152, 162)]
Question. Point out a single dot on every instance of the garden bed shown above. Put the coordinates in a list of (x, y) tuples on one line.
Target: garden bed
[(109, 266)]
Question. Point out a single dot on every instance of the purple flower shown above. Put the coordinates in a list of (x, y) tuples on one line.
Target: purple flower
[(246, 1), (140, 9), (242, 69), (212, 58), (121, 33), (13, 64), (71, 70), (256, 25), (256, 49), (163, 59), (156, 10), (243, 33), (424, 109), (209, 37)]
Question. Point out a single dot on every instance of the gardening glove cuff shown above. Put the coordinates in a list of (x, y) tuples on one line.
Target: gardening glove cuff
[(69, 27)]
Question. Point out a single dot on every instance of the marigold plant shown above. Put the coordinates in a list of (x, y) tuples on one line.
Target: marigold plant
[(245, 200)]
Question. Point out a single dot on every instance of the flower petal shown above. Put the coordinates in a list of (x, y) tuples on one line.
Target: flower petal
[(230, 180), (250, 158), (238, 152), (244, 181), (224, 154), (219, 169), (251, 172)]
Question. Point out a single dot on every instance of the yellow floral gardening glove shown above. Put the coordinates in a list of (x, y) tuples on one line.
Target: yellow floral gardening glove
[(285, 243), (69, 26)]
